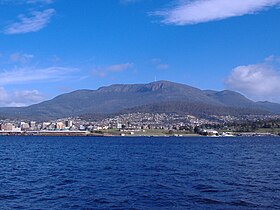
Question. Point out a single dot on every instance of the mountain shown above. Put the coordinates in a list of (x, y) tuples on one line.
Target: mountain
[(231, 98), (271, 107), (234, 99), (161, 95)]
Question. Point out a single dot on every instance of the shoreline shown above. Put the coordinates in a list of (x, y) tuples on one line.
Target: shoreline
[(104, 134)]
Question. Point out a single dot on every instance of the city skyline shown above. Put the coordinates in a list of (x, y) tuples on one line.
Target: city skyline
[(49, 47)]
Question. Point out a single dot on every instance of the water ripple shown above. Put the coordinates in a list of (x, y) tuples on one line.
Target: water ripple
[(139, 173)]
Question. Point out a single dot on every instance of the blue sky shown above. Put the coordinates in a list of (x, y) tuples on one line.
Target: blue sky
[(49, 47)]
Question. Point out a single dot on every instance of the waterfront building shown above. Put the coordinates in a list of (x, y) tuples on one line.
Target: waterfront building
[(45, 125), (24, 126), (7, 127), (32, 125), (60, 126), (68, 123)]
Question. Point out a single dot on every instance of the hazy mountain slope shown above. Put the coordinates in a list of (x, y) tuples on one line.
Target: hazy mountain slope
[(231, 98), (272, 107), (234, 99), (201, 110)]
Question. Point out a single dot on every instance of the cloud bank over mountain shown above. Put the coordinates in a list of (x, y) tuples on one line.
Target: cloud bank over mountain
[(259, 81)]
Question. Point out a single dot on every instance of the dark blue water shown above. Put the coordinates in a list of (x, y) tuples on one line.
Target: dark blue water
[(139, 173)]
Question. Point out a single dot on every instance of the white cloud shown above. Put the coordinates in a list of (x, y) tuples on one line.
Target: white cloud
[(119, 67), (27, 97), (27, 75), (162, 66), (40, 1), (19, 98), (37, 21), (16, 2), (259, 81), (198, 11), (104, 71)]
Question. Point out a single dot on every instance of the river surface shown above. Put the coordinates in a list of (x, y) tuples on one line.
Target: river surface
[(139, 173)]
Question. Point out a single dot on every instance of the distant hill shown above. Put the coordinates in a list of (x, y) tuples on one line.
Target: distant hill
[(271, 107), (153, 97), (231, 98), (234, 99)]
